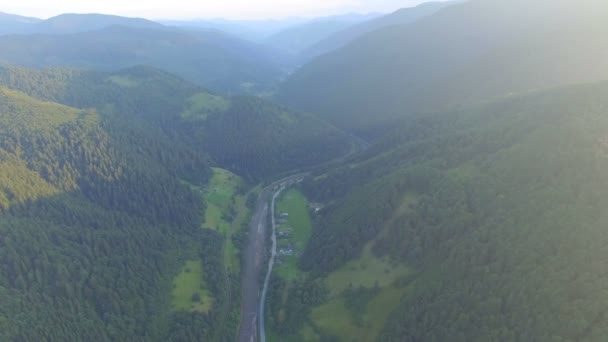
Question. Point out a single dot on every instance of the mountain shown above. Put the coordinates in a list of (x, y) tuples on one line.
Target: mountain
[(481, 224), (75, 23), (253, 30), (83, 196), (212, 59), (11, 23), (249, 136), (69, 23), (298, 38), (465, 53), (261, 30), (97, 168), (345, 36)]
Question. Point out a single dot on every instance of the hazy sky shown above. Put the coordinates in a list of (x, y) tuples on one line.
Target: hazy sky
[(190, 9)]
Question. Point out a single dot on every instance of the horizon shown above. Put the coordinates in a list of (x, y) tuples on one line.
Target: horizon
[(229, 10)]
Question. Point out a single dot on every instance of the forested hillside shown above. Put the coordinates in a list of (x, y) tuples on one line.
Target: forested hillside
[(97, 203), (208, 58), (440, 176), (94, 225), (469, 52), (496, 210), (249, 136)]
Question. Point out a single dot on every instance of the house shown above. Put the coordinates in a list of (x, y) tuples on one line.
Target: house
[(316, 207), (286, 251)]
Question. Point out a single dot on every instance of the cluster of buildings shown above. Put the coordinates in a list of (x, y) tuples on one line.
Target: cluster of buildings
[(284, 233)]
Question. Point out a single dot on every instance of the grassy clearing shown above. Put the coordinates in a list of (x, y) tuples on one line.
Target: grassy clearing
[(299, 228), (366, 271), (224, 203), (202, 104), (308, 333), (297, 224), (226, 211), (335, 319), (123, 81), (190, 291)]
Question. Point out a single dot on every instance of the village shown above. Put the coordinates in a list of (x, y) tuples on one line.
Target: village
[(285, 245)]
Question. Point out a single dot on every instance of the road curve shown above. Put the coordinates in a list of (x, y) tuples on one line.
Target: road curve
[(255, 253), (273, 255)]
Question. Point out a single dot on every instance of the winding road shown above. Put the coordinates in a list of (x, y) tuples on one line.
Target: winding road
[(252, 307), (255, 254), (273, 256)]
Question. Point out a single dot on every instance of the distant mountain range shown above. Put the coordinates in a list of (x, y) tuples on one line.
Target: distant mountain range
[(459, 55), (69, 23), (260, 30), (207, 52), (301, 37), (11, 23), (400, 17), (212, 59)]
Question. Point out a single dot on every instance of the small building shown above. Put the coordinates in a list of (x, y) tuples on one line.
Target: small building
[(316, 207), (286, 251)]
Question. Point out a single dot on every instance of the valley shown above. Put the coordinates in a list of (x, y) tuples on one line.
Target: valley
[(255, 259), (426, 173)]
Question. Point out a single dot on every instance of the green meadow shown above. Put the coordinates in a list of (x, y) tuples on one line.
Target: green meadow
[(299, 227), (226, 212), (190, 291)]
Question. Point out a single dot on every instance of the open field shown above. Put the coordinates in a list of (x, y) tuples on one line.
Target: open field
[(226, 211), (188, 285), (334, 318), (366, 271), (124, 81), (299, 227), (203, 104)]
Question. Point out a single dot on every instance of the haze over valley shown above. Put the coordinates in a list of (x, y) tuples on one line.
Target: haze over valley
[(304, 171)]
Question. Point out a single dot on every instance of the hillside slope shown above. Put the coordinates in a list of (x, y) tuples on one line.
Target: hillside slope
[(76, 23), (11, 23), (465, 53), (211, 59), (497, 210), (251, 137), (83, 197), (403, 16), (68, 23)]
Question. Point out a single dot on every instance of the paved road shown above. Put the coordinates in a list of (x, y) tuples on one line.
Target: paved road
[(255, 251), (273, 255), (254, 260)]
